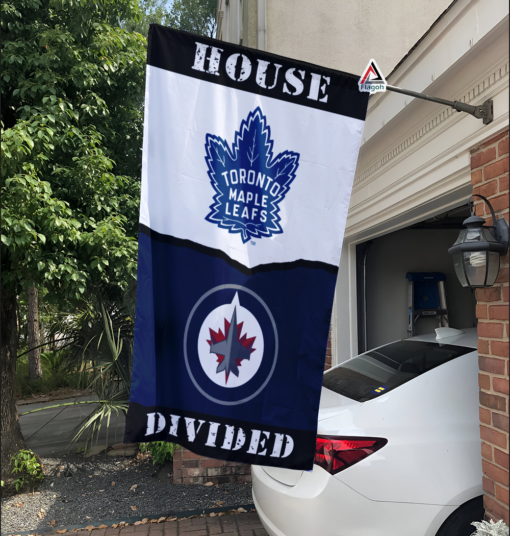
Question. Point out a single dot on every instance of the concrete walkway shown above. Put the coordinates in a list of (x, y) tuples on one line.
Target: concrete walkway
[(50, 432)]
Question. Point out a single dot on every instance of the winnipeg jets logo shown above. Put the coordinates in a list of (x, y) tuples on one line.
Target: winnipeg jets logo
[(231, 349), (249, 183), (230, 345)]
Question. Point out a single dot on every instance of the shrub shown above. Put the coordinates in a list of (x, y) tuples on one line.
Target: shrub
[(57, 374), (161, 451), (55, 362), (26, 468)]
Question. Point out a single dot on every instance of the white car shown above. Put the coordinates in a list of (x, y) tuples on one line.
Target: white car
[(398, 447)]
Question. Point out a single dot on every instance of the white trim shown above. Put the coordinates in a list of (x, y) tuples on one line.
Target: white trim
[(353, 305), (477, 94), (466, 31), (423, 150), (455, 195)]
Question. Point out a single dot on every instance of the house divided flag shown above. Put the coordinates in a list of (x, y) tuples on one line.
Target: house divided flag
[(248, 163)]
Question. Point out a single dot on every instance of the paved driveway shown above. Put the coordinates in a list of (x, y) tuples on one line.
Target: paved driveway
[(51, 431), (230, 525)]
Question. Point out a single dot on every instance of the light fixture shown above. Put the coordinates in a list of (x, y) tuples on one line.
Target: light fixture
[(478, 248)]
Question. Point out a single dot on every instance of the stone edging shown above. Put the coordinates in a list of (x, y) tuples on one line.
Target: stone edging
[(28, 401)]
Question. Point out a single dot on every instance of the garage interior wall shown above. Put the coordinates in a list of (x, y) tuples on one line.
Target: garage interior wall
[(389, 259)]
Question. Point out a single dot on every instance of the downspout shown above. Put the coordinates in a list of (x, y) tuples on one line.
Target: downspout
[(226, 34), (364, 297), (261, 25)]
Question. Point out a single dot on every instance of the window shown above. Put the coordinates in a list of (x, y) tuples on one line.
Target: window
[(369, 375)]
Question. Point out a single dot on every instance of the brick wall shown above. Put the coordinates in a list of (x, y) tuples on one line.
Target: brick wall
[(191, 468), (329, 352), (489, 176)]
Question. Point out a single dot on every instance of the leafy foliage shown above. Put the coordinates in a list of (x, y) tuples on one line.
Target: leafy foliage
[(66, 378), (196, 16), (26, 468), (78, 329), (56, 362), (102, 348), (72, 86), (489, 528), (99, 353), (161, 451), (152, 12)]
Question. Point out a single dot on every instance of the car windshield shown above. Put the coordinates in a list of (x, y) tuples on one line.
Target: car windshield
[(369, 375)]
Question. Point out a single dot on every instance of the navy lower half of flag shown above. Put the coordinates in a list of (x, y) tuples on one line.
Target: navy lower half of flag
[(224, 344), (221, 438)]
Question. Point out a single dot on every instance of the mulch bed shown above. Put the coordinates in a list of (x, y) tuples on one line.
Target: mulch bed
[(78, 490)]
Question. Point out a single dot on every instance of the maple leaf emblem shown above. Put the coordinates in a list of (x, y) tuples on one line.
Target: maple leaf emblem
[(249, 183)]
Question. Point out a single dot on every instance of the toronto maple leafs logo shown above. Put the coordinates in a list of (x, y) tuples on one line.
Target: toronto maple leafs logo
[(249, 183)]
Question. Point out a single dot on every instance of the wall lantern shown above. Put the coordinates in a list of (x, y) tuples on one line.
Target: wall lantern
[(478, 248)]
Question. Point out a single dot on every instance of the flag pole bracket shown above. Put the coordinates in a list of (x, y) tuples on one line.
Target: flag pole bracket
[(483, 111)]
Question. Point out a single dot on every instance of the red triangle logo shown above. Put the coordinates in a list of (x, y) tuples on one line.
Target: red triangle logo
[(372, 70)]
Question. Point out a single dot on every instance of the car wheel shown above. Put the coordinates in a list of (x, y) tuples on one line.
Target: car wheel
[(459, 523)]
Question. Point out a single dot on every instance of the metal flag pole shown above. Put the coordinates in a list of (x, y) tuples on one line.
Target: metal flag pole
[(484, 111)]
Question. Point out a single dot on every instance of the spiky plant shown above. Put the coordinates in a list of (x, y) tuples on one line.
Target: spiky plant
[(98, 342), (489, 528), (110, 370)]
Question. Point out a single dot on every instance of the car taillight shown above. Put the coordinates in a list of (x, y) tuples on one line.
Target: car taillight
[(334, 454)]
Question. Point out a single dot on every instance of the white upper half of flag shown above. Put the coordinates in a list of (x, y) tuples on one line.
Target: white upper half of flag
[(177, 193)]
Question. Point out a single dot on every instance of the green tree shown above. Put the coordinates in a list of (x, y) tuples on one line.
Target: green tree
[(196, 16), (72, 107), (151, 12)]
